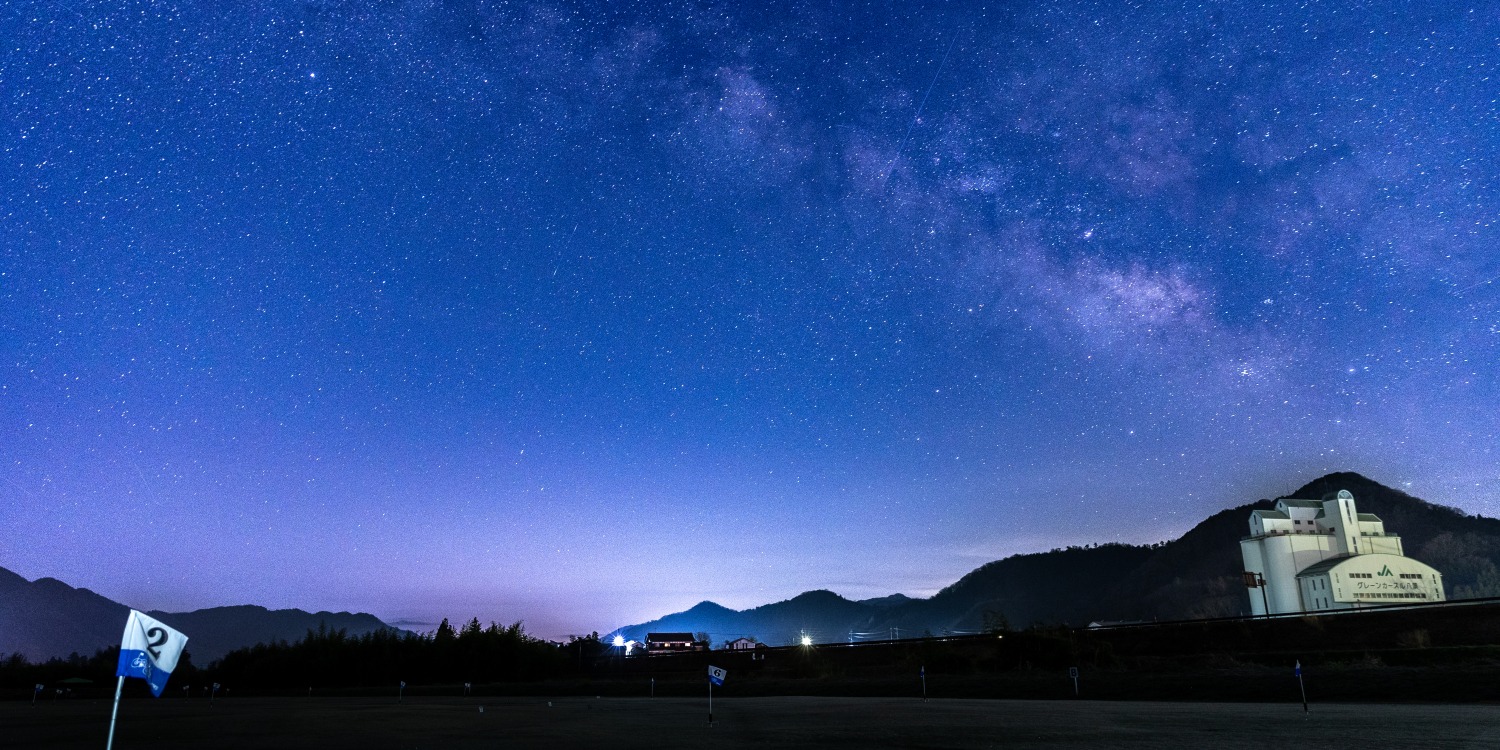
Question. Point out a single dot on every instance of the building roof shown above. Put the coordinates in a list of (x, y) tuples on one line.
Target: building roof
[(1319, 568), (1368, 517), (1302, 503), (1374, 558), (1270, 514), (670, 637)]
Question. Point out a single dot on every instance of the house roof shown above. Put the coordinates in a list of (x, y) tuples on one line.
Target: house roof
[(650, 637), (1368, 517), (1271, 514)]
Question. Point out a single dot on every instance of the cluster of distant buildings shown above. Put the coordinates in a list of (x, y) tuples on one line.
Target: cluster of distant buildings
[(676, 643), (1324, 555)]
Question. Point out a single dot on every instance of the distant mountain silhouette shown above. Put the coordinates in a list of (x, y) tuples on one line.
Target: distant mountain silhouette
[(1053, 587), (887, 601), (818, 613), (45, 618), (1195, 576), (216, 631)]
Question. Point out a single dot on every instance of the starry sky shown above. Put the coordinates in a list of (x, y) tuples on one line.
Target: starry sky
[(581, 313)]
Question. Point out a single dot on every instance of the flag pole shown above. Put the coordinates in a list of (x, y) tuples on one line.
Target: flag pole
[(710, 702), (114, 713), (1303, 687)]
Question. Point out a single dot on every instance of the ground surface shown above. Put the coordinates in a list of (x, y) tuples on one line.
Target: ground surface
[(785, 722)]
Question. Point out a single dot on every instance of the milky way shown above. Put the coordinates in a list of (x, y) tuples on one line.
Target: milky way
[(579, 314)]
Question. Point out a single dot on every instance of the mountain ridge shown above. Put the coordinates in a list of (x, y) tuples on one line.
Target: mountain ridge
[(48, 618)]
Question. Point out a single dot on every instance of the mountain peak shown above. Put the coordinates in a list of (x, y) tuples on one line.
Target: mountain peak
[(817, 595), (889, 600), (1339, 480)]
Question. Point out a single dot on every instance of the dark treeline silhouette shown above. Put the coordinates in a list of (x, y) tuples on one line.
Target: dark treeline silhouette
[(328, 658), (78, 675), (332, 658)]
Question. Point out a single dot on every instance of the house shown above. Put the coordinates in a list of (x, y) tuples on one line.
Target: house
[(663, 643), (1320, 555), (744, 644)]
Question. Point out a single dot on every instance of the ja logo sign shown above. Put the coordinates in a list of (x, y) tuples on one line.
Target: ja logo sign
[(1385, 570)]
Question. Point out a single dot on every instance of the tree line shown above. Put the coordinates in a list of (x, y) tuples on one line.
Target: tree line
[(327, 658)]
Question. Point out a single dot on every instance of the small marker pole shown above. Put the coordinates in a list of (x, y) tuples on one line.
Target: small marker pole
[(1301, 686), (653, 687), (923, 672), (710, 702)]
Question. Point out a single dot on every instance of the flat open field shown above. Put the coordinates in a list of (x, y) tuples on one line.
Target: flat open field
[(783, 722)]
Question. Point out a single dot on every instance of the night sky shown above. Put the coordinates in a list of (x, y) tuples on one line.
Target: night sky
[(579, 314)]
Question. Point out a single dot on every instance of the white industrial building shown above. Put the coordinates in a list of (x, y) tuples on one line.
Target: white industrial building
[(1318, 555)]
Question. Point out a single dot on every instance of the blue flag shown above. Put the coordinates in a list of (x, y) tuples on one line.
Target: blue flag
[(716, 675), (1297, 671), (149, 650)]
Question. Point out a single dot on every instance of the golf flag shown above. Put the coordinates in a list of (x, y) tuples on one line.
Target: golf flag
[(716, 675), (149, 650), (1297, 671)]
